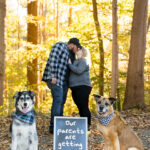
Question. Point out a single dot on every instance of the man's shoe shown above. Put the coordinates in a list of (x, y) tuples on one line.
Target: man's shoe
[(51, 131)]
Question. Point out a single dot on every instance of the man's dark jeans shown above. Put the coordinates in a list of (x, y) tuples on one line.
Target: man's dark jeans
[(59, 98)]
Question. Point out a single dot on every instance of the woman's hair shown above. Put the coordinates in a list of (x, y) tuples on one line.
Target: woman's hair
[(84, 52), (86, 55)]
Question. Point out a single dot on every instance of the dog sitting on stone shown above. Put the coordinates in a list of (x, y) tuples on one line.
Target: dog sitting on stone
[(23, 127), (116, 132)]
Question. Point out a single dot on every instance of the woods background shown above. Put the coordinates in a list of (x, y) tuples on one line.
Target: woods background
[(116, 33)]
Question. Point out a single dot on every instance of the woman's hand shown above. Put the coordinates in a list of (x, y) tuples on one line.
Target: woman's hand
[(69, 61)]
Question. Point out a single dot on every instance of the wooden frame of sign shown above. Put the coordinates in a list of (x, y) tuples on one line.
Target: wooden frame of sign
[(70, 133)]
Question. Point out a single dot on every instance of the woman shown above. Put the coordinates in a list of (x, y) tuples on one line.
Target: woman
[(80, 83)]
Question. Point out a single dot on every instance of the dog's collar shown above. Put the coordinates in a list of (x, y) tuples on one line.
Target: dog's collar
[(28, 118), (106, 120)]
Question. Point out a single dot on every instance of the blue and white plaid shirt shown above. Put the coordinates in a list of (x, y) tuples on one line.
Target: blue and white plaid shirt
[(56, 66)]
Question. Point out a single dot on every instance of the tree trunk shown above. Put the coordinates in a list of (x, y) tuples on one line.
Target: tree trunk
[(32, 36), (43, 12), (114, 50), (115, 72), (148, 24), (70, 14), (57, 20), (18, 25), (134, 95), (101, 48), (44, 23), (40, 13), (2, 48)]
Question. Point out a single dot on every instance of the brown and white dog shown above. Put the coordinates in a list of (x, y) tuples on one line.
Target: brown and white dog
[(116, 132)]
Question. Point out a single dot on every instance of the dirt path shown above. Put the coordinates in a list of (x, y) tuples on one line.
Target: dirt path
[(140, 122)]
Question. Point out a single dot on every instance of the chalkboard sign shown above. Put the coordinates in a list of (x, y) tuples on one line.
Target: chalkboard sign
[(70, 133)]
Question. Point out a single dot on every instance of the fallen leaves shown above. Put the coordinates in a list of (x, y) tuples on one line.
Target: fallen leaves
[(139, 121)]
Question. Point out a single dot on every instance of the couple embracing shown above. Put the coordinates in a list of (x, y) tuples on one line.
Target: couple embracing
[(64, 71)]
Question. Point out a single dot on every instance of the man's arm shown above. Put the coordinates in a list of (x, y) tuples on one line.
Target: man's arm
[(53, 62)]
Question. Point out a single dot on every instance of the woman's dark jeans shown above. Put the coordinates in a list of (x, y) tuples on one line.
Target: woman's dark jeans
[(80, 96)]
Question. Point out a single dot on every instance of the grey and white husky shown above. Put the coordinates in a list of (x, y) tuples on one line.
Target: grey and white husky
[(23, 127)]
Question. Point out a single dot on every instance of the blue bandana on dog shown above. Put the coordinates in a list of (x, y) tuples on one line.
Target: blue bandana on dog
[(26, 118), (106, 120)]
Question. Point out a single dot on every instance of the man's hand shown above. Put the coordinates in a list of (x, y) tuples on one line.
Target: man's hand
[(54, 80)]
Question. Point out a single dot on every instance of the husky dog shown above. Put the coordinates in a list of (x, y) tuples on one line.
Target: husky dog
[(23, 127), (115, 130)]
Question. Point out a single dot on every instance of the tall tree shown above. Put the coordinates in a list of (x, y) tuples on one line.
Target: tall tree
[(2, 47), (42, 12), (114, 83), (57, 20), (148, 24), (134, 95), (18, 24), (101, 48), (44, 23), (32, 37), (70, 14)]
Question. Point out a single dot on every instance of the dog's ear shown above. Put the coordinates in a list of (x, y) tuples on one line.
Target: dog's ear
[(17, 94), (32, 93), (112, 100), (96, 96)]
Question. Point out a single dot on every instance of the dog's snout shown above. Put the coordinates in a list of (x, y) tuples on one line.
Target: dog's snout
[(25, 104), (101, 107)]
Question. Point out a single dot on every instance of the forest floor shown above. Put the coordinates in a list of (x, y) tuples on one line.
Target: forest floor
[(139, 122)]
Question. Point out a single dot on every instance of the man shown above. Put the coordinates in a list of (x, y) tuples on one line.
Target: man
[(56, 75)]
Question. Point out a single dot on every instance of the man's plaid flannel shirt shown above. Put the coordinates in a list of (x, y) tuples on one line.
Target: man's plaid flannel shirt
[(57, 63)]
